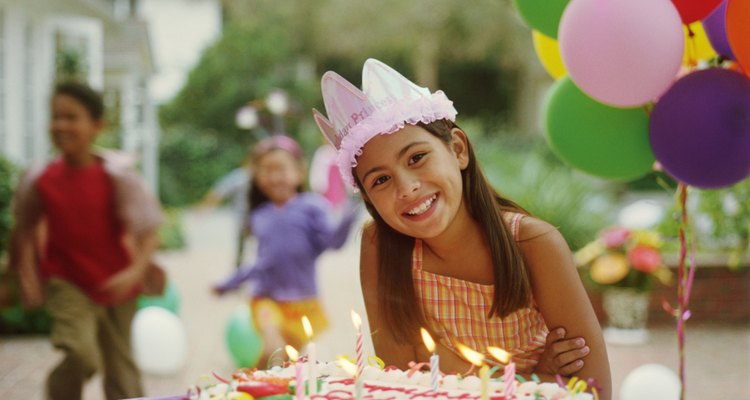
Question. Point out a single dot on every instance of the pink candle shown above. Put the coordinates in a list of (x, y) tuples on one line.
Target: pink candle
[(299, 386), (357, 321), (510, 380), (509, 375)]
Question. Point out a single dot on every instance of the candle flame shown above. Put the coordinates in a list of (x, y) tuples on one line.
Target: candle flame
[(500, 354), (307, 326), (292, 353), (356, 320), (427, 339), (470, 355), (347, 366)]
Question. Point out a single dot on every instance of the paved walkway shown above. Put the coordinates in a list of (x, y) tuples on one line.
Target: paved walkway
[(718, 356)]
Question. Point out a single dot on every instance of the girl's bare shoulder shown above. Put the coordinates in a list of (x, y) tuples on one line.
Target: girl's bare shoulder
[(534, 229)]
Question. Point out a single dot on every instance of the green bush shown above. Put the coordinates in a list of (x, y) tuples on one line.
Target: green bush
[(719, 222), (7, 182), (171, 235), (13, 318), (189, 163), (524, 170)]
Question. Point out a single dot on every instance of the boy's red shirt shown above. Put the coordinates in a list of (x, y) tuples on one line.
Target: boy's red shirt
[(84, 235)]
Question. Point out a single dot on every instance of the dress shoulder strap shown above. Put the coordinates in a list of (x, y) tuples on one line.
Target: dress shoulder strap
[(416, 255), (515, 225)]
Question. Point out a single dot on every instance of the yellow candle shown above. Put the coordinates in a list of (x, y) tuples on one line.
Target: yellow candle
[(477, 359)]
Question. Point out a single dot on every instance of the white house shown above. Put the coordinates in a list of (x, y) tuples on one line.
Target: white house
[(97, 40)]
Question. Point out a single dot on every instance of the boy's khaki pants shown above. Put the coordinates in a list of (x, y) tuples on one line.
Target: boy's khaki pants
[(91, 336)]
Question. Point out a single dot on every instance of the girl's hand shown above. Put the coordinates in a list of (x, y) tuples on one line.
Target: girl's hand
[(562, 356), (217, 291)]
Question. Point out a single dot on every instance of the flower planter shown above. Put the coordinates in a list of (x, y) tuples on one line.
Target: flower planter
[(627, 313)]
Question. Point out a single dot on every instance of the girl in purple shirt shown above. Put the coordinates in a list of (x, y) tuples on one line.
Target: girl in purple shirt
[(293, 228)]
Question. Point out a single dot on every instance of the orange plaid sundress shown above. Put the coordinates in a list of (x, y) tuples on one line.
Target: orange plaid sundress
[(457, 310)]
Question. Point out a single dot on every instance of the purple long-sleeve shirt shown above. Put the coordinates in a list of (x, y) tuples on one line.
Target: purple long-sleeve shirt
[(290, 239)]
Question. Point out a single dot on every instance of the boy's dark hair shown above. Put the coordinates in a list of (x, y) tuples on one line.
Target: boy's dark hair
[(84, 94), (396, 295)]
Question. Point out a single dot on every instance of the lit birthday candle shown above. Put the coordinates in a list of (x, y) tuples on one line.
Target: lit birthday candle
[(352, 370), (299, 386), (434, 358), (357, 321), (477, 359), (312, 377), (509, 375)]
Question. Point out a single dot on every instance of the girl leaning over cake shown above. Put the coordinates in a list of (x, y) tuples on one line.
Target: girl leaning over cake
[(445, 250)]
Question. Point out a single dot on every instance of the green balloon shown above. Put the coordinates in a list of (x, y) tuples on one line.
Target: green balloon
[(243, 341), (604, 141), (542, 15), (170, 300)]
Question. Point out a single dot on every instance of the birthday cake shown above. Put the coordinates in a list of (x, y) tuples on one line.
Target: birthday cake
[(334, 383)]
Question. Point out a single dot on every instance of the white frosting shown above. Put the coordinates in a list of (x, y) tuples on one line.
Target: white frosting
[(396, 384), (450, 382)]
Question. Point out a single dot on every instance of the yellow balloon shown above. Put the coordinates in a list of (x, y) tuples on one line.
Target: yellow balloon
[(239, 396), (609, 268), (548, 52), (698, 47)]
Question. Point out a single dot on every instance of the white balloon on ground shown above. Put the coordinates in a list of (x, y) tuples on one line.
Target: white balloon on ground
[(159, 341), (651, 382)]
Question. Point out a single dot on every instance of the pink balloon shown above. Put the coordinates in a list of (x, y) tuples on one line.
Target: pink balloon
[(623, 53)]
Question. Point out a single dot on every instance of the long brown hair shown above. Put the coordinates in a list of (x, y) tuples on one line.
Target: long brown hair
[(397, 300)]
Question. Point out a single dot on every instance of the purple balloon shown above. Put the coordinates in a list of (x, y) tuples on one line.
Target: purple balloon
[(715, 27), (700, 129)]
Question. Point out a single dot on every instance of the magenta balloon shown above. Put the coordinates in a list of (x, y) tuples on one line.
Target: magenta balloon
[(624, 53), (700, 129), (715, 26)]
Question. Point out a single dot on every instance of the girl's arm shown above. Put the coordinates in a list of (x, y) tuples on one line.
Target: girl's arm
[(243, 274), (386, 347), (333, 235), (560, 295)]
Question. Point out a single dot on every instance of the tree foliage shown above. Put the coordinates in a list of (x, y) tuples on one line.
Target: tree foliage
[(8, 174), (463, 48)]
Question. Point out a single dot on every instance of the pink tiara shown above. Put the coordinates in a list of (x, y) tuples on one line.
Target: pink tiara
[(386, 103)]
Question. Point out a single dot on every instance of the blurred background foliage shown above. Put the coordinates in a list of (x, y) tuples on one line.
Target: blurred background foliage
[(719, 223), (472, 53), (8, 176), (479, 53), (524, 169)]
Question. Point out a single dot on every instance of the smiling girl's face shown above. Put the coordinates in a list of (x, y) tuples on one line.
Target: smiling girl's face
[(278, 175), (413, 179)]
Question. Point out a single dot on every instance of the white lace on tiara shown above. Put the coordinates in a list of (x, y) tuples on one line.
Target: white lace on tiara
[(386, 104)]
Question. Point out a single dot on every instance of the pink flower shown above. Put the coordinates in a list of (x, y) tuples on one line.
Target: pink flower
[(615, 237), (644, 259)]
